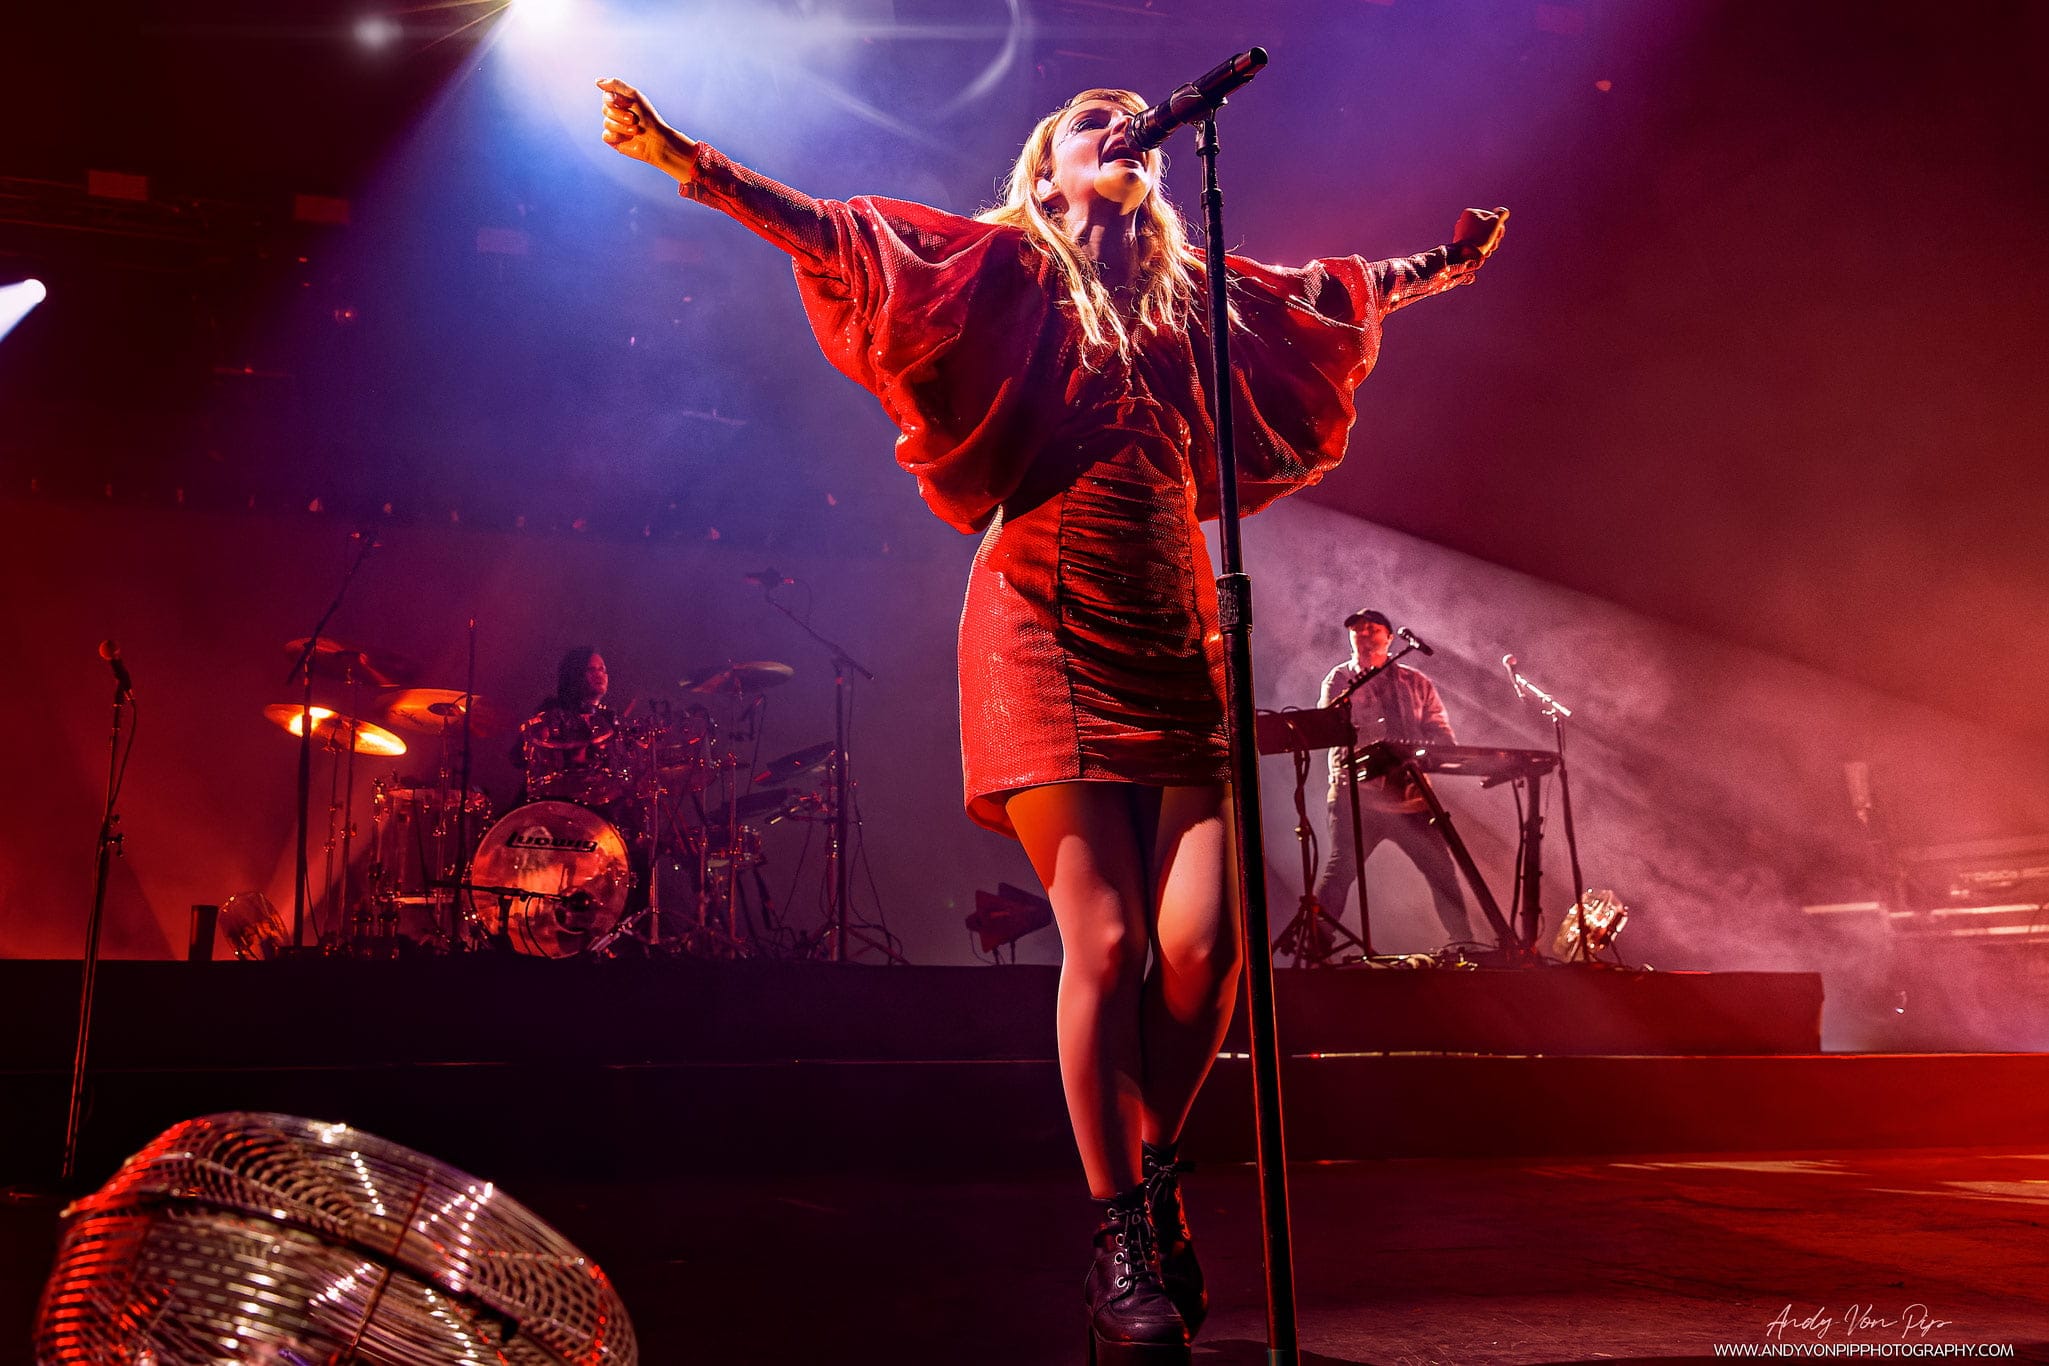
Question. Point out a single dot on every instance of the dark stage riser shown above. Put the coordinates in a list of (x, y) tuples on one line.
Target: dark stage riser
[(485, 1009), (961, 1119), (513, 1065)]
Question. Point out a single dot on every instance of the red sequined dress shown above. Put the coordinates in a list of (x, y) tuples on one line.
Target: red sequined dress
[(1089, 647)]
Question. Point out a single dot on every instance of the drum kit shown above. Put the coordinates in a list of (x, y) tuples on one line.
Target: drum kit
[(639, 831)]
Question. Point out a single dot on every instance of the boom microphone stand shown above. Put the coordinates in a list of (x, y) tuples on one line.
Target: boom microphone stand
[(1558, 712), (842, 784), (302, 668), (1234, 614), (109, 846)]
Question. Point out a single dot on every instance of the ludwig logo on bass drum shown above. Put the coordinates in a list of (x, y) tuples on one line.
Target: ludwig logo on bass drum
[(543, 840)]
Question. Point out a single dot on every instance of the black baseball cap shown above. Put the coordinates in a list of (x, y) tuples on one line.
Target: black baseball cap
[(1365, 614)]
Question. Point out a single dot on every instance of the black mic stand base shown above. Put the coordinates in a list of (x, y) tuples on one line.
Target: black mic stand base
[(1314, 937)]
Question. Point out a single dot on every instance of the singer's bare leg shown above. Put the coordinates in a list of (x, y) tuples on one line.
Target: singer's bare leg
[(1197, 953), (1131, 870)]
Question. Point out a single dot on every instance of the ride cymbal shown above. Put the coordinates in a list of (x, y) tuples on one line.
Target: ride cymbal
[(753, 676), (433, 710), (796, 763)]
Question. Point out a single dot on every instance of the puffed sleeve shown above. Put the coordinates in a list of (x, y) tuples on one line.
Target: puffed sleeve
[(942, 318), (1304, 338)]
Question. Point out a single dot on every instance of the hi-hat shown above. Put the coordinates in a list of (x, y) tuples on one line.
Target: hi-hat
[(340, 660), (364, 737), (753, 676), (433, 710)]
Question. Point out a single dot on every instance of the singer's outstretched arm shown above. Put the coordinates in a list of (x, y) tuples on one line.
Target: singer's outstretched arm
[(790, 219), (1405, 279)]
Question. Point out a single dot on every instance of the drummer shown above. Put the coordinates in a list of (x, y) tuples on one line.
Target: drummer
[(573, 732)]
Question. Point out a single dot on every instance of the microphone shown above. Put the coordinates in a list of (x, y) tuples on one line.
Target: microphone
[(1193, 102), (1508, 663), (111, 652), (770, 577), (1414, 641)]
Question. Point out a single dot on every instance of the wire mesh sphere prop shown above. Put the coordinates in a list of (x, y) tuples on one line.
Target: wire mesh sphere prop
[(275, 1239)]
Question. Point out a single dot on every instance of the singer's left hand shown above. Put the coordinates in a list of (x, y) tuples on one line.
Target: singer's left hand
[(1480, 230)]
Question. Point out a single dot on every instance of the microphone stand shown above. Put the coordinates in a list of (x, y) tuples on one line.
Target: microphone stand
[(842, 784), (1342, 704), (110, 844), (302, 667), (1234, 617), (1558, 712)]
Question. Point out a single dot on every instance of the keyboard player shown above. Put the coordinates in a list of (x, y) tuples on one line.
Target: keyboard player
[(1400, 703)]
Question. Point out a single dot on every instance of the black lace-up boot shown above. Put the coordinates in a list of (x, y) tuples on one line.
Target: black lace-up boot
[(1180, 1273), (1131, 1320)]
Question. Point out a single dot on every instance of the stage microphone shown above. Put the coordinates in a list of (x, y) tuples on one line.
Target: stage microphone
[(111, 652), (1193, 102), (1508, 663), (770, 577), (1415, 642)]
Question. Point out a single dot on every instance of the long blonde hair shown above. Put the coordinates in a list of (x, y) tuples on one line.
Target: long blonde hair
[(1166, 291)]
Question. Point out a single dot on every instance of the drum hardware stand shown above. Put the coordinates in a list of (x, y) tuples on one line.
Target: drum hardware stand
[(462, 806), (833, 943), (302, 668), (338, 885), (110, 845), (705, 937), (650, 912), (653, 910), (501, 940), (727, 941), (377, 915)]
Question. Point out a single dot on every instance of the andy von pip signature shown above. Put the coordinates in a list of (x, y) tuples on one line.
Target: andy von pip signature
[(1914, 1321)]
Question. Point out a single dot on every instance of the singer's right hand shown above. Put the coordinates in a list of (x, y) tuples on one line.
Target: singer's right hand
[(634, 129), (1479, 231)]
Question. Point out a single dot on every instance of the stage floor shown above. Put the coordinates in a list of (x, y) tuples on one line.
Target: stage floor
[(1401, 1263)]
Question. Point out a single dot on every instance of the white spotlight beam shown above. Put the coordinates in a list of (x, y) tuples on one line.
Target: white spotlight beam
[(17, 301)]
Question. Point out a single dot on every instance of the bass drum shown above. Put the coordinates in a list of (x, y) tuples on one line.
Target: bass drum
[(570, 867)]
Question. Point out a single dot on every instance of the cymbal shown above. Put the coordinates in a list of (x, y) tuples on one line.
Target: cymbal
[(797, 761), (754, 803), (753, 676), (433, 710), (338, 659), (365, 737)]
